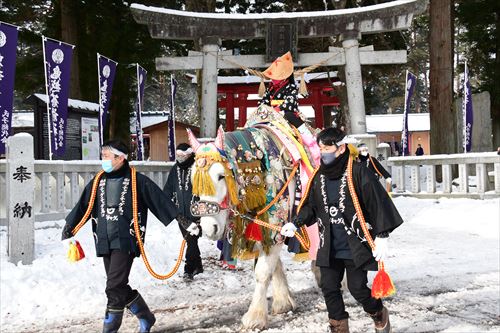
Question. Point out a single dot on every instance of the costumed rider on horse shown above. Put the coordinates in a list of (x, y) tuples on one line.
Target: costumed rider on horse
[(282, 95)]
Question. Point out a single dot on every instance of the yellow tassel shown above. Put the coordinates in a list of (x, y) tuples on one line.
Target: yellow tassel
[(231, 187), (248, 255), (303, 87), (304, 256), (202, 183), (262, 88), (353, 151)]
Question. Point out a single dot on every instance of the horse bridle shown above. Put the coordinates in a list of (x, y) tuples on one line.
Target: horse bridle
[(203, 208)]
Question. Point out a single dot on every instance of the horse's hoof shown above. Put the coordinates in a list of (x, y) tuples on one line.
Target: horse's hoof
[(254, 320), (283, 305)]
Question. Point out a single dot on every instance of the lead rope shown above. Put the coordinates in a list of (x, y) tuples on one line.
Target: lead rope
[(359, 212), (139, 240), (304, 241), (388, 186), (91, 203), (305, 244), (136, 225), (374, 166)]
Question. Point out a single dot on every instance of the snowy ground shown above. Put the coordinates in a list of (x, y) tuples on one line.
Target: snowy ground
[(445, 265)]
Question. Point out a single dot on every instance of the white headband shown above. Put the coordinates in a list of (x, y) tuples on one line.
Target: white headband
[(185, 152), (346, 139), (115, 151)]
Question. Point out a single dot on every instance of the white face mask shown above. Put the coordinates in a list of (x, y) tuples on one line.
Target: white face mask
[(364, 153), (181, 158)]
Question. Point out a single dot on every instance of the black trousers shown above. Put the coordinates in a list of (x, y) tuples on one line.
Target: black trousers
[(117, 265), (331, 278), (193, 257)]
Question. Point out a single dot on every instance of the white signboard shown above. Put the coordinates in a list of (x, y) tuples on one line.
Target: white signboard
[(90, 139)]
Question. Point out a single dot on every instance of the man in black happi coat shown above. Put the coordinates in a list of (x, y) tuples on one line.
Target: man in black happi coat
[(179, 189), (342, 246), (114, 233)]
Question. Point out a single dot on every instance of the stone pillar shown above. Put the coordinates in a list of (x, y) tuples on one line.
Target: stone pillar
[(354, 82), (370, 140), (383, 153), (20, 179), (208, 119)]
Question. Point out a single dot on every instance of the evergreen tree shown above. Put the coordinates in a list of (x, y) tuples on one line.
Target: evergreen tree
[(479, 43)]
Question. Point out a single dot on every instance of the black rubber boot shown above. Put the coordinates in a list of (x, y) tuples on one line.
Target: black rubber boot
[(112, 320), (140, 309), (381, 320)]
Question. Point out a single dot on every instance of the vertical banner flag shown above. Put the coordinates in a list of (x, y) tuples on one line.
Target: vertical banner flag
[(411, 81), (171, 120), (468, 112), (8, 46), (106, 76), (57, 59), (141, 79)]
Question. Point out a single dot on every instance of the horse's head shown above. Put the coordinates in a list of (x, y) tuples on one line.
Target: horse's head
[(213, 182)]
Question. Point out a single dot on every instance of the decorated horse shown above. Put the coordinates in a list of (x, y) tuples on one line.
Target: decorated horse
[(249, 183)]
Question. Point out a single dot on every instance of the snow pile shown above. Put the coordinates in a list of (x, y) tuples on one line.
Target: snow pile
[(445, 265)]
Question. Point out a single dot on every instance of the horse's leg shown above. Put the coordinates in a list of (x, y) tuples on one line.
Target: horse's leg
[(316, 272), (256, 316), (282, 299)]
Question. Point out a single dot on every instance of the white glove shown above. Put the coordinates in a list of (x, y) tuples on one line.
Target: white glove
[(388, 180), (288, 230), (66, 242), (303, 129), (381, 250), (193, 229)]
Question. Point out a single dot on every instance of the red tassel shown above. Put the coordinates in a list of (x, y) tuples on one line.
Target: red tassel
[(253, 232), (79, 248), (382, 285)]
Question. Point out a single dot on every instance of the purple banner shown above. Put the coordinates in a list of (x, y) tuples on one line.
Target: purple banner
[(57, 57), (171, 120), (106, 75), (141, 79), (468, 112), (8, 46), (411, 81)]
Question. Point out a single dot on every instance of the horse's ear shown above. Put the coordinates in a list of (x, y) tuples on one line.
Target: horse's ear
[(219, 140), (193, 141)]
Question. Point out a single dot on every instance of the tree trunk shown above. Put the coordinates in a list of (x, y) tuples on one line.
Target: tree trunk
[(442, 115), (69, 34)]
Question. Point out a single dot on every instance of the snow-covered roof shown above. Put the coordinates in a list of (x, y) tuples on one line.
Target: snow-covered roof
[(255, 79), (254, 16), (73, 103), (394, 122), (151, 120)]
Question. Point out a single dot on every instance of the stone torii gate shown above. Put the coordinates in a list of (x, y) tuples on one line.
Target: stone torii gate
[(210, 28)]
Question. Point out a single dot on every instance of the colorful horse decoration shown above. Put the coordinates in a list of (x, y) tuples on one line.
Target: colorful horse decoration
[(254, 174)]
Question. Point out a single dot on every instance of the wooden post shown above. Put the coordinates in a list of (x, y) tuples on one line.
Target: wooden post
[(229, 111), (242, 109), (20, 179), (318, 108)]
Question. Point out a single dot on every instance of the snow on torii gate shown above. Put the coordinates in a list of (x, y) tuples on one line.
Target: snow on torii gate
[(210, 28)]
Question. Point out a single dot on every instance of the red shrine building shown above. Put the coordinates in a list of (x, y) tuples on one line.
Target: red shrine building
[(237, 98)]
